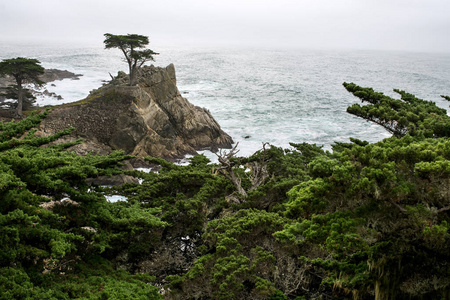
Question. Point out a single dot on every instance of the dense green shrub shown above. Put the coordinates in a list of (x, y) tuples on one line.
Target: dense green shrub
[(364, 221), (52, 221)]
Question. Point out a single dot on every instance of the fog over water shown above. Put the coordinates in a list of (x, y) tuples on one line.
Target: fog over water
[(413, 25)]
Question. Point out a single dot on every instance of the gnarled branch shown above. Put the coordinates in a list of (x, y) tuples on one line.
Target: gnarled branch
[(258, 171), (226, 168)]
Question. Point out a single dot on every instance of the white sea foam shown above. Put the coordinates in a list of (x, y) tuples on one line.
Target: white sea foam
[(115, 198)]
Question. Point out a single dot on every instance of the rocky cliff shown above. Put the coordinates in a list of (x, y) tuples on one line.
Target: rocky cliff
[(151, 118)]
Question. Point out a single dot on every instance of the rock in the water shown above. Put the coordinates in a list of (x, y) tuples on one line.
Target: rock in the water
[(55, 74), (151, 118), (48, 76)]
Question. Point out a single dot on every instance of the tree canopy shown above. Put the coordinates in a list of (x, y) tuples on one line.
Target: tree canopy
[(130, 46), (23, 70), (363, 221)]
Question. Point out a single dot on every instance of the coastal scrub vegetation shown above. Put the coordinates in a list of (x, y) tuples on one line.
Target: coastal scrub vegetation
[(363, 221)]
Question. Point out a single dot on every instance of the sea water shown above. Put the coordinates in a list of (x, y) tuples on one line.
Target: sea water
[(263, 95)]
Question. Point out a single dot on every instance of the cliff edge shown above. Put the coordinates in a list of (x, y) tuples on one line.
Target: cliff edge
[(151, 118)]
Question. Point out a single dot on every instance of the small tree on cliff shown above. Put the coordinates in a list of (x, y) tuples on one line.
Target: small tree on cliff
[(24, 70), (129, 44)]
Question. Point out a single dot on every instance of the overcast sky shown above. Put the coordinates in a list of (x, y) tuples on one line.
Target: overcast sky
[(411, 25)]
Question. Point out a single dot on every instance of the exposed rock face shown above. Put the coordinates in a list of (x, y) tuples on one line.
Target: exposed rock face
[(151, 118), (55, 74)]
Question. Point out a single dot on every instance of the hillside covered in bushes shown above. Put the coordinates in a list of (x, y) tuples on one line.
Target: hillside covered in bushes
[(363, 221)]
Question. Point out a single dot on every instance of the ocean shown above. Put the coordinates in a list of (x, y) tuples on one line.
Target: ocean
[(263, 95)]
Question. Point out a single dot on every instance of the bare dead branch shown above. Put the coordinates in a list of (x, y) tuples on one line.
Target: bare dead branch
[(402, 209), (443, 209), (226, 168), (258, 170), (258, 174)]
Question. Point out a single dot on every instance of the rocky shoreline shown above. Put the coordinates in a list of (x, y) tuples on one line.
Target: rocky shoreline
[(149, 119)]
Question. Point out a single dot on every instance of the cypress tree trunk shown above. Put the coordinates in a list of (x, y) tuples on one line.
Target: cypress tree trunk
[(132, 75), (19, 98), (387, 274)]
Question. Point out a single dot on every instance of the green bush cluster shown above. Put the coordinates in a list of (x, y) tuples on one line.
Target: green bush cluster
[(55, 228), (364, 221)]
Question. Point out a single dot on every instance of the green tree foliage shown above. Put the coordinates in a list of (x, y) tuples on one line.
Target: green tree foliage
[(383, 201), (377, 207), (446, 97), (130, 46), (23, 70), (187, 197), (239, 259), (408, 115), (52, 222), (364, 221)]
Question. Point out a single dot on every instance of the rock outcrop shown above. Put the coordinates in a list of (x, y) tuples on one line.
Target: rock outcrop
[(151, 118), (48, 76), (55, 74)]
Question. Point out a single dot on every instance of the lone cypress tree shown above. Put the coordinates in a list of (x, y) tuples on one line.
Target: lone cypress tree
[(129, 44), (24, 70)]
